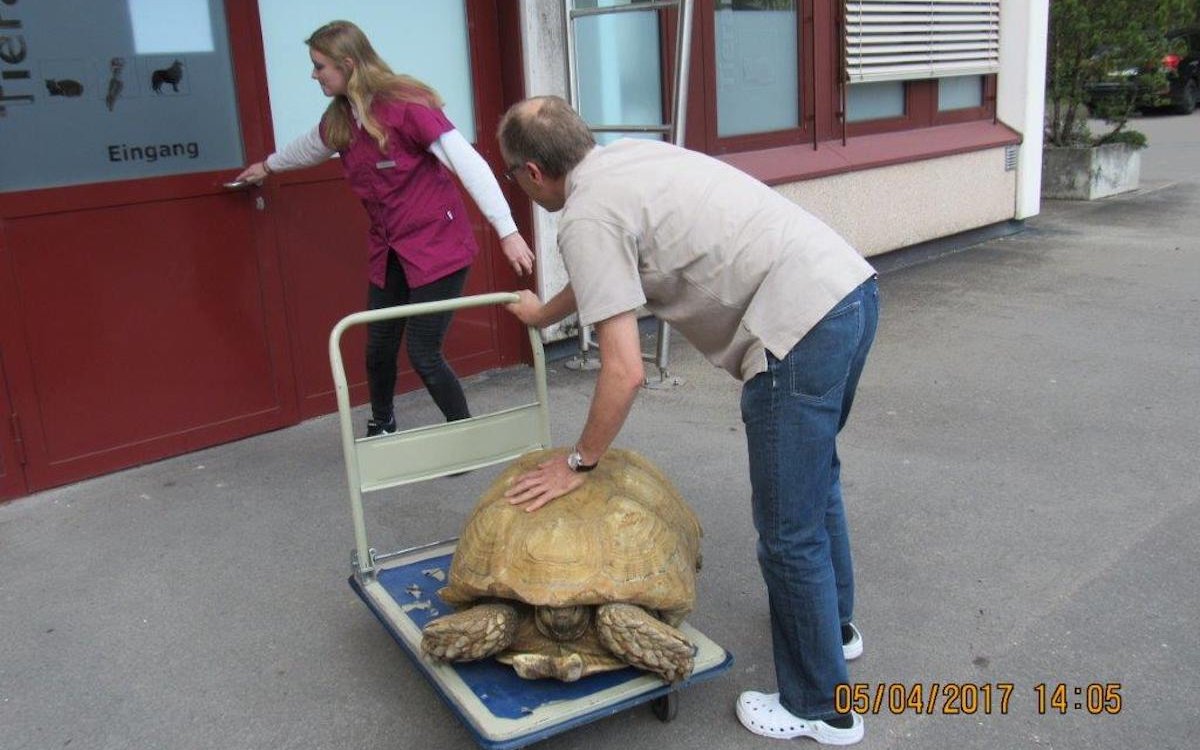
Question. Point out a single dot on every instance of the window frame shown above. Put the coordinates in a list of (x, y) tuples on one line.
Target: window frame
[(986, 110), (921, 109), (822, 84), (705, 23)]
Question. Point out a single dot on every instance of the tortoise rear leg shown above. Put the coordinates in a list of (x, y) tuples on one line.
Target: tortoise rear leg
[(637, 637), (474, 633)]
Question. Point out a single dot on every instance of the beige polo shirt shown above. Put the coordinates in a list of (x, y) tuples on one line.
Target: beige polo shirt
[(728, 262)]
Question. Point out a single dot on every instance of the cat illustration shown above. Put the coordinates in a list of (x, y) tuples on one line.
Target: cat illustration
[(172, 75), (115, 84), (63, 87)]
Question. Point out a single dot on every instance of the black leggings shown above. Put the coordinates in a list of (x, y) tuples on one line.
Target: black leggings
[(425, 336)]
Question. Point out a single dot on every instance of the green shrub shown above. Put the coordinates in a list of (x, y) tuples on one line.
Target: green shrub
[(1088, 41), (1135, 138)]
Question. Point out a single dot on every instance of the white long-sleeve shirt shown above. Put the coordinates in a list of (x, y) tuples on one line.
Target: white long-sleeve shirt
[(451, 149)]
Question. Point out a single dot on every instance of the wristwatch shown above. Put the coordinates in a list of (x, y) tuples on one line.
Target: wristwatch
[(575, 461)]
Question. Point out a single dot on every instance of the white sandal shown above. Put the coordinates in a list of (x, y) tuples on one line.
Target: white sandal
[(853, 648), (762, 714)]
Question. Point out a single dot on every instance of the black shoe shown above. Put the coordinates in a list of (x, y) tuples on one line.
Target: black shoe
[(376, 427)]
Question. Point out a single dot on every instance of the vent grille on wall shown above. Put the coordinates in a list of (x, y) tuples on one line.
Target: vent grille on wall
[(1010, 158)]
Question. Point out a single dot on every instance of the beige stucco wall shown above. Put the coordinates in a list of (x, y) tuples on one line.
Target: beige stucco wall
[(883, 209)]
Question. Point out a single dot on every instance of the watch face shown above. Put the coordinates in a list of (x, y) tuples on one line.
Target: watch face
[(575, 462)]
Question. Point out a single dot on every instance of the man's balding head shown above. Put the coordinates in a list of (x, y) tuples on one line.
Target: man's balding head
[(546, 131)]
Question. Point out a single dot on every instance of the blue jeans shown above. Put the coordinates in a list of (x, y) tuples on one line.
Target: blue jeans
[(793, 413)]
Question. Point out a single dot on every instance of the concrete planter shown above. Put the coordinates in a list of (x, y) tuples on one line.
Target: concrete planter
[(1090, 173)]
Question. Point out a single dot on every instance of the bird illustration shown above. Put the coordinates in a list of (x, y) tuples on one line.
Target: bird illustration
[(115, 84)]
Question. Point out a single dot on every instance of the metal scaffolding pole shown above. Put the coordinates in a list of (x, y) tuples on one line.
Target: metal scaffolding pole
[(673, 130)]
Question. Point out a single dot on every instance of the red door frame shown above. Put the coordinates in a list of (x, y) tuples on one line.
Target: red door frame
[(497, 72), (12, 453), (13, 482)]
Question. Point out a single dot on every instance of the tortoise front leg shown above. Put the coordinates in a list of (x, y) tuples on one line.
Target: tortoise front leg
[(644, 641), (475, 633)]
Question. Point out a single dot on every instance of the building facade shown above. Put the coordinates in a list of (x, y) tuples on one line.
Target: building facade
[(147, 310)]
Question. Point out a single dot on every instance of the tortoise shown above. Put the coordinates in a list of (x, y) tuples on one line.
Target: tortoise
[(597, 580)]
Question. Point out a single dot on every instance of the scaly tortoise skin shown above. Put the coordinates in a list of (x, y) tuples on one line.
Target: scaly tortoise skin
[(593, 581)]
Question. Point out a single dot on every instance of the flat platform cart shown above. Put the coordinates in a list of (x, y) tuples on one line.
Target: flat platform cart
[(499, 708)]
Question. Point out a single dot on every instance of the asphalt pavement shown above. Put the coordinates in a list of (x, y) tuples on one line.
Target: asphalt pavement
[(1021, 481)]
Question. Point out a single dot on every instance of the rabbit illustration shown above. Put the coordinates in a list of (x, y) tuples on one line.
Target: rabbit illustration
[(63, 87)]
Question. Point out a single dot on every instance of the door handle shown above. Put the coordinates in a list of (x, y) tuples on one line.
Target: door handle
[(260, 203)]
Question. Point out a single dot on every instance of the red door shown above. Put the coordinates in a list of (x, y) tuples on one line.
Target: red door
[(145, 318), (146, 313)]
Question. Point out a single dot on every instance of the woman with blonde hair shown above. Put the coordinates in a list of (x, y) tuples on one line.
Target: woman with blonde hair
[(398, 150)]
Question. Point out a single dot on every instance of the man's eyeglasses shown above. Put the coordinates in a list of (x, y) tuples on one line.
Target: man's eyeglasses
[(510, 174)]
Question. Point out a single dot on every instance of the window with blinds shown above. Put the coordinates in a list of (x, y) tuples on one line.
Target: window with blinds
[(893, 40)]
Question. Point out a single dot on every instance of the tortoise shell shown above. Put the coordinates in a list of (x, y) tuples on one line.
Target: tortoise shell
[(624, 535)]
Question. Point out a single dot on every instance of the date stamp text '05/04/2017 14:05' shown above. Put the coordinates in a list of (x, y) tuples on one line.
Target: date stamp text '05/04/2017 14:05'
[(969, 698)]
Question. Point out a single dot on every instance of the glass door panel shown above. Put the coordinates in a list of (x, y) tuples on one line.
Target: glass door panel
[(114, 90), (427, 40), (619, 63)]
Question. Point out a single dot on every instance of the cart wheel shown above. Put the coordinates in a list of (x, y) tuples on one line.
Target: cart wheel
[(666, 706)]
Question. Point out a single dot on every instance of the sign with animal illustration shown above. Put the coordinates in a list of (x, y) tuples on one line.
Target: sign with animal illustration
[(114, 90), (170, 75)]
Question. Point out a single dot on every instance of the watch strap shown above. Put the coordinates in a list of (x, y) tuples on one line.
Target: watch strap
[(575, 462)]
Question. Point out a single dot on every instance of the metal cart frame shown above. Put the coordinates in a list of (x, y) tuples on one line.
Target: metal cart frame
[(500, 709)]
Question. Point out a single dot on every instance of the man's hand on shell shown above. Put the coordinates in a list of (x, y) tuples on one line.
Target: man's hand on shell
[(550, 480)]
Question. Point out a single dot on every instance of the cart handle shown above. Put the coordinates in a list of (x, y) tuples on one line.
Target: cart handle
[(421, 453)]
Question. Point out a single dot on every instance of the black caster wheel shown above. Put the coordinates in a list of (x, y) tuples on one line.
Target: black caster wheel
[(665, 706)]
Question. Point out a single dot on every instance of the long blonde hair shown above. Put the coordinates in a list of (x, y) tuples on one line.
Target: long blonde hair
[(367, 77)]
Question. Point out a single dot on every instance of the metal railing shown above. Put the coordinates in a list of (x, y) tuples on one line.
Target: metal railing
[(673, 131)]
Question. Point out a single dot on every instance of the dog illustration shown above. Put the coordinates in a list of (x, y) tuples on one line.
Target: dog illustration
[(172, 75), (63, 87)]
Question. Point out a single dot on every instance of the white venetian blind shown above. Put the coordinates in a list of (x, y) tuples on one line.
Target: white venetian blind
[(891, 40)]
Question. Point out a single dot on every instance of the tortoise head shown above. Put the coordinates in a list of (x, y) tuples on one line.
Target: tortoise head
[(563, 624)]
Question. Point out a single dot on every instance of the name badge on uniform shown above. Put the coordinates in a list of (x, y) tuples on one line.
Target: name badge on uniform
[(385, 164)]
